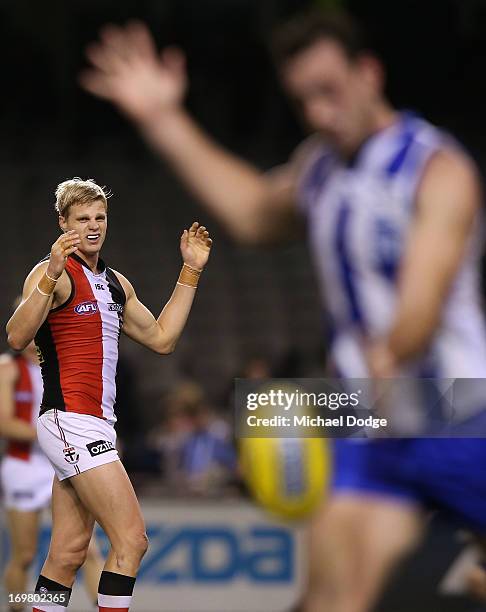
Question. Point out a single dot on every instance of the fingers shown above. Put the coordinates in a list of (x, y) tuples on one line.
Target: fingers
[(120, 46), (114, 38), (97, 84), (200, 233), (141, 41), (66, 244)]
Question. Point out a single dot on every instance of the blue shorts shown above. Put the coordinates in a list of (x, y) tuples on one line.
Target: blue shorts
[(446, 474)]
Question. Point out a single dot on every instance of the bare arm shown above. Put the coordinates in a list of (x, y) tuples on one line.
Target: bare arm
[(149, 88), (34, 308), (161, 335), (10, 426), (448, 201)]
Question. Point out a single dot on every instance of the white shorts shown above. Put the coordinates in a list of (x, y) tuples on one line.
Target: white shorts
[(26, 485), (75, 442)]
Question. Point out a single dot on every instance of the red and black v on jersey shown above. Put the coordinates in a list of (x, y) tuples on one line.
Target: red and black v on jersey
[(78, 343)]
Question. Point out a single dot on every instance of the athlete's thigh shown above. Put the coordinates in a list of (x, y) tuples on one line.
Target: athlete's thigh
[(108, 493), (72, 522), (23, 529), (366, 534)]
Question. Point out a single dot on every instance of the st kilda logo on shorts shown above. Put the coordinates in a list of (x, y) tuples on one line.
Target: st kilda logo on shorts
[(99, 447), (86, 308), (70, 454)]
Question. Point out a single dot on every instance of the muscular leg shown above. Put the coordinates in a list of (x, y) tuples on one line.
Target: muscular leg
[(23, 528), (108, 493), (72, 526), (355, 542)]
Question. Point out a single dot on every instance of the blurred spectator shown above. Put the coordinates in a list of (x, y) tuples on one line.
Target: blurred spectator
[(196, 452), (208, 458)]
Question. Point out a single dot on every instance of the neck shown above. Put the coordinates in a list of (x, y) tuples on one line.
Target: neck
[(90, 260), (383, 116)]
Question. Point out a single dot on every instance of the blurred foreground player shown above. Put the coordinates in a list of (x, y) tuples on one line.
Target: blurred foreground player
[(26, 474), (75, 307), (391, 205)]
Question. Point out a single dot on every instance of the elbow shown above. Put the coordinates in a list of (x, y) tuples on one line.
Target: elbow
[(16, 343), (166, 349)]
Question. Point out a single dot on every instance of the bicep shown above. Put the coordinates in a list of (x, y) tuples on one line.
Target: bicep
[(446, 210), (139, 323)]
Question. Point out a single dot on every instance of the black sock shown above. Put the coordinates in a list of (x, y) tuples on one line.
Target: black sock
[(50, 586), (115, 591), (115, 584)]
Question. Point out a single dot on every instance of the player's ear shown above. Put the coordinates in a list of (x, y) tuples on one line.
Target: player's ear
[(62, 223)]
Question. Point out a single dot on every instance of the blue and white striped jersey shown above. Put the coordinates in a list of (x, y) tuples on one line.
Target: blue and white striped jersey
[(358, 219)]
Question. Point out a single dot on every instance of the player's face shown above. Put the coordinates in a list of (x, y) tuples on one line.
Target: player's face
[(90, 222), (335, 95)]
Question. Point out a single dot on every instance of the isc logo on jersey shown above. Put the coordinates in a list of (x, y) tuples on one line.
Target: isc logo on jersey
[(86, 308)]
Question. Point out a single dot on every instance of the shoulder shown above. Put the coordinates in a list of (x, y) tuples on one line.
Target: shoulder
[(36, 274), (450, 186), (8, 368), (34, 277), (124, 282), (452, 171), (312, 162), (39, 268), (311, 147)]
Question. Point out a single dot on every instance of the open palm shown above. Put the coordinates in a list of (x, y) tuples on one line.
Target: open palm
[(127, 70), (196, 246)]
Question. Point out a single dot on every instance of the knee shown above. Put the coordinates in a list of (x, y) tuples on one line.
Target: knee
[(133, 547), (24, 558), (138, 542)]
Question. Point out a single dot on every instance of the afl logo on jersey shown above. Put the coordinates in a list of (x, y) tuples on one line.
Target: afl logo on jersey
[(86, 308)]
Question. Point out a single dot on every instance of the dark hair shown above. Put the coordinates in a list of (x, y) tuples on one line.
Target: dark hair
[(303, 30)]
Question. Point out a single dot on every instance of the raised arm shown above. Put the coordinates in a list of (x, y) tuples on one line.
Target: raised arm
[(43, 288), (161, 335), (11, 427), (448, 202), (149, 89)]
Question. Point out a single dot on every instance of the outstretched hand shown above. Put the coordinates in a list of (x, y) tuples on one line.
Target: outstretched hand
[(196, 246), (127, 70)]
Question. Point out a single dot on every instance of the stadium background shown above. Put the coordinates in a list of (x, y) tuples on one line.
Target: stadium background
[(252, 302)]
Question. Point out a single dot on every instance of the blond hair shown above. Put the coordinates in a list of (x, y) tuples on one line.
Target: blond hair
[(78, 191)]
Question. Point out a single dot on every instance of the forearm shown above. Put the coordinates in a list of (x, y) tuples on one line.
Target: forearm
[(414, 327), (173, 317), (16, 429), (26, 320), (234, 191)]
